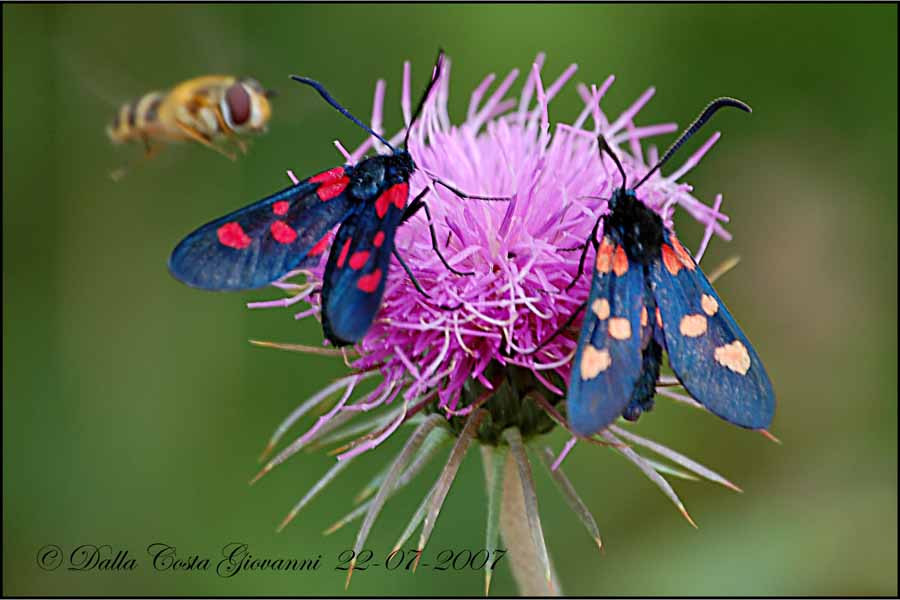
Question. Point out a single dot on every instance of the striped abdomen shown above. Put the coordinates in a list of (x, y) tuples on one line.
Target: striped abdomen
[(135, 118)]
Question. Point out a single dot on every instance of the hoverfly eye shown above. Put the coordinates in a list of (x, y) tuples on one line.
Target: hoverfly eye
[(238, 103)]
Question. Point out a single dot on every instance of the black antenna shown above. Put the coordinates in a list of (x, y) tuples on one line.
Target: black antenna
[(603, 146), (437, 75), (708, 112), (322, 92)]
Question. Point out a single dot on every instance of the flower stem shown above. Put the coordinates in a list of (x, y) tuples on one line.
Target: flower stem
[(522, 554)]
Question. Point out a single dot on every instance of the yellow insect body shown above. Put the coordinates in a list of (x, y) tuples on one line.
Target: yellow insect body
[(205, 109)]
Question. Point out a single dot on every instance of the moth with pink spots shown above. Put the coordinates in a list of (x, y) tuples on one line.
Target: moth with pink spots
[(648, 295)]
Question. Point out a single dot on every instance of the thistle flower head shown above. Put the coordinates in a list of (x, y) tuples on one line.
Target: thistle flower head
[(477, 369)]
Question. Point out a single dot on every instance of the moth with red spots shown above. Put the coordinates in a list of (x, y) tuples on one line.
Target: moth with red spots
[(263, 242), (649, 295)]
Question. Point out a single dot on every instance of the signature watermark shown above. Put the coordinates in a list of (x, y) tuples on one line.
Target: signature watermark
[(235, 558)]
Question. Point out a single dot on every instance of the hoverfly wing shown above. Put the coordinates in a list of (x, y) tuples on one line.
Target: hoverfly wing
[(357, 267), (261, 243), (707, 350)]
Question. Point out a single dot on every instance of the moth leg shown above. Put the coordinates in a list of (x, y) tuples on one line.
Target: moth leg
[(417, 285), (581, 246), (466, 196), (577, 248), (199, 137), (417, 204), (591, 241), (602, 146), (559, 330), (149, 152), (414, 207)]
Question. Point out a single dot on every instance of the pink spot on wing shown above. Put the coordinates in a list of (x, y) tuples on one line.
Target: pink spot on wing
[(620, 262), (369, 283), (342, 258), (280, 208), (320, 246), (379, 239), (359, 260), (282, 232), (233, 236), (682, 254), (396, 195)]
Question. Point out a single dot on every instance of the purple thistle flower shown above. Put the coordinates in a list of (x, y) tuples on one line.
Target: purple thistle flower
[(447, 371)]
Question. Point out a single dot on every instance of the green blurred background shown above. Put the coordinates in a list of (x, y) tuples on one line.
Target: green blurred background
[(134, 409)]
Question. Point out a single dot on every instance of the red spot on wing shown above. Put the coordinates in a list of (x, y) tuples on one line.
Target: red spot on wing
[(369, 283), (396, 195), (379, 239), (604, 256), (280, 208), (342, 258), (682, 254), (620, 262), (329, 176), (320, 246), (401, 194), (233, 236), (282, 232), (670, 260), (332, 183), (327, 192), (359, 260)]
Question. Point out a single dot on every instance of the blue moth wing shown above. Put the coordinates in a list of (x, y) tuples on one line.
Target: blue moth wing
[(261, 243), (608, 361), (707, 350), (357, 267)]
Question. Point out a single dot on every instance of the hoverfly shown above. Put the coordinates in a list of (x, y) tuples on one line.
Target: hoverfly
[(206, 110)]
